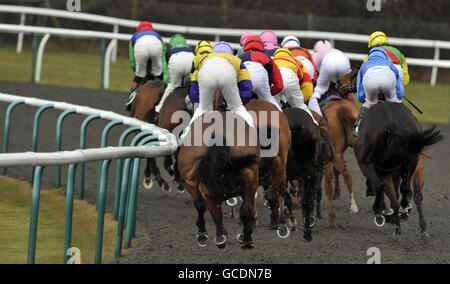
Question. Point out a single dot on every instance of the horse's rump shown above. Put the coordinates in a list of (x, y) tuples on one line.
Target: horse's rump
[(221, 173), (304, 142), (395, 135)]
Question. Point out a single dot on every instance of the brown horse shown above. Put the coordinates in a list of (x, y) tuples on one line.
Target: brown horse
[(224, 164), (326, 163), (341, 116), (143, 108), (273, 127)]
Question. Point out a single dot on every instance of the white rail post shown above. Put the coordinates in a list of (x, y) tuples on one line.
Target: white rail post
[(108, 55), (434, 71), (40, 55), (114, 53), (20, 36)]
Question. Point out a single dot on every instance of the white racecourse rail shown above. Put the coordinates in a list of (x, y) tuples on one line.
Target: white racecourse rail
[(435, 63), (168, 143)]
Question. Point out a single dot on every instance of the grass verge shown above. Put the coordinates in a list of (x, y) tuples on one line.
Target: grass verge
[(15, 208)]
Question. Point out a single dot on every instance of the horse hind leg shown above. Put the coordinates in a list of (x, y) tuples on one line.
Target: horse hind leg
[(337, 186), (215, 208), (158, 177), (308, 208), (395, 205), (148, 182), (247, 214), (418, 199)]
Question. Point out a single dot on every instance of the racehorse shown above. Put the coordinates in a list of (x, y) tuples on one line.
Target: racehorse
[(303, 161), (223, 165), (389, 145), (341, 116), (143, 108), (175, 102), (271, 121), (325, 163)]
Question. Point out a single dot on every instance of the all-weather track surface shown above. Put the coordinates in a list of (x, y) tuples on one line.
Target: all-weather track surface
[(166, 221)]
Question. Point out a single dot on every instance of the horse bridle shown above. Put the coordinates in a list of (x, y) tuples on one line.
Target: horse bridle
[(351, 88)]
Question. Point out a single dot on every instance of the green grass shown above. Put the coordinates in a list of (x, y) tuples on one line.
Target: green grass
[(15, 208), (63, 67), (69, 68)]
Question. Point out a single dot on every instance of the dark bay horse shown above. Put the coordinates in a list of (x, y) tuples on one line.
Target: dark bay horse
[(274, 128), (223, 165), (389, 145), (303, 161)]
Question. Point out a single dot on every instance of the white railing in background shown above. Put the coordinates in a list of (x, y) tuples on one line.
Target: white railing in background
[(434, 63)]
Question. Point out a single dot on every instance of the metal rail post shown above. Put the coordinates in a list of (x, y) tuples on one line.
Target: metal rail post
[(34, 215), (59, 139), (8, 126), (37, 118)]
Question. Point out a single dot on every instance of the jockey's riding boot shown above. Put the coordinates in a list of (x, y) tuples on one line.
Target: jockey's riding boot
[(130, 99), (155, 119), (358, 121)]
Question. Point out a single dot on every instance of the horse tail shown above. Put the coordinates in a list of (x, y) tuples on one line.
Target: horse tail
[(220, 172), (303, 141), (428, 138), (400, 142)]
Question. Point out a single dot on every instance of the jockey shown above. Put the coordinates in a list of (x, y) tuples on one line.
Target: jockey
[(263, 72), (330, 63), (244, 37), (377, 76), (301, 54), (394, 55), (179, 57), (220, 70), (297, 83), (146, 45), (270, 42)]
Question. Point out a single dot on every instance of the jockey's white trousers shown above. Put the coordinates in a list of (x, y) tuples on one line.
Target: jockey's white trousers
[(180, 65), (334, 64), (260, 82), (218, 74), (145, 48), (379, 79), (309, 66), (292, 91)]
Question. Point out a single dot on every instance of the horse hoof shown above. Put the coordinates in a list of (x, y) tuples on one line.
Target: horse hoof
[(283, 232), (307, 236), (232, 202), (148, 183), (167, 188), (397, 232), (312, 221), (248, 246), (240, 238), (380, 221), (180, 188), (202, 240), (403, 217), (354, 208), (426, 236), (221, 241)]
